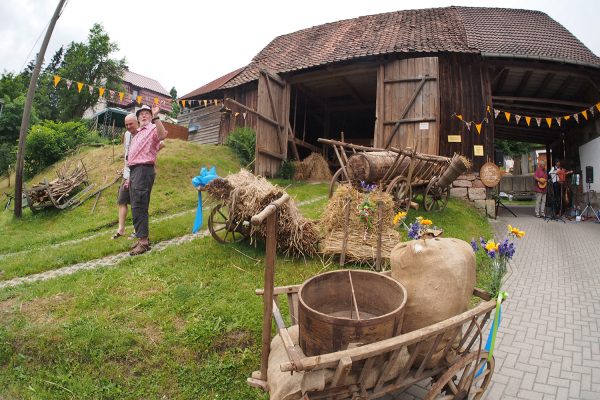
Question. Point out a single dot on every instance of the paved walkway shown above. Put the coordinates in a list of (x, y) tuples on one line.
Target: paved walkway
[(548, 345)]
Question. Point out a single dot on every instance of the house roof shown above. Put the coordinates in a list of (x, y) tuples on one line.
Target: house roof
[(490, 31), (212, 86), (144, 82)]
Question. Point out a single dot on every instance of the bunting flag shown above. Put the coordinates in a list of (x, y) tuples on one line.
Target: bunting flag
[(138, 99), (69, 83), (507, 115), (496, 112), (79, 87), (478, 126), (517, 118), (598, 106), (112, 94), (487, 109), (468, 125), (539, 122), (121, 95), (459, 116), (236, 114), (567, 117), (528, 120), (558, 120), (91, 89), (244, 114), (101, 91), (156, 100), (576, 117), (56, 80), (584, 113), (549, 122), (205, 102), (592, 110)]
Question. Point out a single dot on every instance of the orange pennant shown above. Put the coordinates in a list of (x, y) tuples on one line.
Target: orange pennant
[(598, 106), (56, 80), (459, 116), (528, 120), (478, 126), (156, 100), (507, 115), (79, 87), (584, 112), (121, 95), (488, 109), (549, 122), (101, 91), (567, 117), (139, 99)]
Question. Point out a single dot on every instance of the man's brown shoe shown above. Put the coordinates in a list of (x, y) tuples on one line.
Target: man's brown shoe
[(140, 248)]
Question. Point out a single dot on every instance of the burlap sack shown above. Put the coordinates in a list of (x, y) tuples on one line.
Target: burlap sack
[(439, 276)]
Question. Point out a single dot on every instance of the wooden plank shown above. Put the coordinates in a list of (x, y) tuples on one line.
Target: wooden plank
[(408, 80), (272, 154), (341, 371), (280, 290), (410, 121), (405, 111), (276, 116)]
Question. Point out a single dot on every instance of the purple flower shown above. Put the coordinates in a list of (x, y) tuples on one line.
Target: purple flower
[(482, 241), (474, 245), (414, 231)]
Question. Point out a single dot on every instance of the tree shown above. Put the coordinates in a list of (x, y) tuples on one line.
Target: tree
[(88, 63), (514, 150), (176, 109), (10, 120)]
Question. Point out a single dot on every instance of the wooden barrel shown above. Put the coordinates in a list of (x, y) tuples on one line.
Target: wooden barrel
[(346, 307), (372, 166), (457, 167)]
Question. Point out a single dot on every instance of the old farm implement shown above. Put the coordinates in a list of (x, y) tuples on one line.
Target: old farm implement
[(403, 173)]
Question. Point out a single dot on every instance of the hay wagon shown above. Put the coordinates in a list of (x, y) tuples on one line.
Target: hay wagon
[(225, 226), (403, 173), (447, 356)]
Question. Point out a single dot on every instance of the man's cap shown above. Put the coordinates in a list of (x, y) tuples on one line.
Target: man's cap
[(143, 108)]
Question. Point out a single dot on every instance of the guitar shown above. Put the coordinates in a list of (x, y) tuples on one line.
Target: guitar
[(542, 182)]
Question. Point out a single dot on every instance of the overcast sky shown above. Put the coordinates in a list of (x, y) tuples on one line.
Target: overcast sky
[(188, 43)]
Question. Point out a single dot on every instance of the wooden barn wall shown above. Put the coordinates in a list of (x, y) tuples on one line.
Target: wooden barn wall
[(398, 80), (465, 89), (246, 94), (207, 119), (176, 131)]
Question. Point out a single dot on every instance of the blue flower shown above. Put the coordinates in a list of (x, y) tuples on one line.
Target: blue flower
[(474, 245)]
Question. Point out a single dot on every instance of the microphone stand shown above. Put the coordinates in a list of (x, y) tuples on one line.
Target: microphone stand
[(589, 206)]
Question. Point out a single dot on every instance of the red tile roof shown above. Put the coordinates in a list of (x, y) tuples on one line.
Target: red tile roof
[(518, 33), (212, 86), (144, 82)]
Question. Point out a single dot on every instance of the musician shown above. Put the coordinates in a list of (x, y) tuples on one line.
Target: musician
[(559, 181), (541, 180)]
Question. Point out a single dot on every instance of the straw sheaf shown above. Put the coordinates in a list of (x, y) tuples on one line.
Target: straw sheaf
[(359, 249), (245, 195), (312, 168)]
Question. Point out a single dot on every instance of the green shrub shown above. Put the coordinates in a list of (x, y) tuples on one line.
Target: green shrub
[(243, 143), (287, 170), (51, 141), (7, 157)]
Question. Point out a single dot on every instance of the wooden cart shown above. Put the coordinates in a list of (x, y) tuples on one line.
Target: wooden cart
[(371, 371), (225, 227), (410, 174)]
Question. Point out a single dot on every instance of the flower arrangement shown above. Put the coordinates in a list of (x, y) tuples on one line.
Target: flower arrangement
[(422, 228), (500, 253), (365, 211), (367, 187)]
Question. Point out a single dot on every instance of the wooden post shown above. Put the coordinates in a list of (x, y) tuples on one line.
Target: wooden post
[(345, 239), (379, 234), (27, 111)]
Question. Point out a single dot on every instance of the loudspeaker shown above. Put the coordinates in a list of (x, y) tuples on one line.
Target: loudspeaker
[(589, 174)]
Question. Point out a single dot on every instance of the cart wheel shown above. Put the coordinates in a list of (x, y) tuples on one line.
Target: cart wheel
[(435, 198), (223, 229), (338, 178), (466, 379), (400, 191)]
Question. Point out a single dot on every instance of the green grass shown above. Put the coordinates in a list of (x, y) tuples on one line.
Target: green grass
[(181, 323)]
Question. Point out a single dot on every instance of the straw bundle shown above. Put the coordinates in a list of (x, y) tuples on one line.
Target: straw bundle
[(312, 168), (246, 195), (362, 242)]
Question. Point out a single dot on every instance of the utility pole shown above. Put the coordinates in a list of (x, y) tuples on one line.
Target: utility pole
[(27, 111)]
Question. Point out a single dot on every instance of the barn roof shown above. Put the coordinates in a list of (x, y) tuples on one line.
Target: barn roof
[(144, 82), (489, 31), (214, 85)]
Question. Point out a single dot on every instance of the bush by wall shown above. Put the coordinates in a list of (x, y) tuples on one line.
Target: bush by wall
[(243, 143)]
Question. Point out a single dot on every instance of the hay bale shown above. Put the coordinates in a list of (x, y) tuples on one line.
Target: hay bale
[(246, 194), (362, 243), (313, 168)]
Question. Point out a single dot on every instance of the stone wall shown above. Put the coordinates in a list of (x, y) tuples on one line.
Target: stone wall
[(469, 187)]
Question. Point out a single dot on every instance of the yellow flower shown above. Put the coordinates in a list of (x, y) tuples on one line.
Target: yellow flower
[(426, 222), (516, 231), (399, 216), (491, 245)]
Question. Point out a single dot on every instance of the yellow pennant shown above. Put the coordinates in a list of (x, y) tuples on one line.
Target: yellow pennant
[(121, 95), (236, 114), (584, 112), (459, 116), (183, 102), (478, 126), (528, 120), (101, 91), (79, 87), (549, 122), (598, 106), (507, 115), (205, 102), (488, 109), (56, 80), (567, 117), (216, 102), (138, 99), (156, 100)]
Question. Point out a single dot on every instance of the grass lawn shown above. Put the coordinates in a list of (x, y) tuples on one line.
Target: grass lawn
[(182, 323)]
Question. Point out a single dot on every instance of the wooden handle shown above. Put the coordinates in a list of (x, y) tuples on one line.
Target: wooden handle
[(268, 210)]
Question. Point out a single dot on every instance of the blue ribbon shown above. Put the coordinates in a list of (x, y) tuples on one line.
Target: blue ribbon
[(491, 340), (200, 181)]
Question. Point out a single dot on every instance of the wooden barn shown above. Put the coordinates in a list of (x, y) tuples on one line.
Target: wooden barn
[(440, 80)]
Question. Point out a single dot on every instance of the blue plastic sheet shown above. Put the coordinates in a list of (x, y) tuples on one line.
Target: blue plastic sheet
[(206, 176)]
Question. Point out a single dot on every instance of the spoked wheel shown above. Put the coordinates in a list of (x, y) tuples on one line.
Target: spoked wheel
[(336, 180), (466, 379), (435, 197), (400, 191), (223, 229)]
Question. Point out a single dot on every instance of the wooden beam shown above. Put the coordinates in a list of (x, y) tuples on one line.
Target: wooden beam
[(292, 138), (407, 80), (251, 110), (272, 154), (334, 71), (499, 82), (563, 86), (541, 100), (410, 120), (547, 79), (276, 115), (273, 77), (534, 110), (307, 145), (523, 83)]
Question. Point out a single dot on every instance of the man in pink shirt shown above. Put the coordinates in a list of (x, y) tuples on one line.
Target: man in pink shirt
[(141, 159), (541, 180)]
